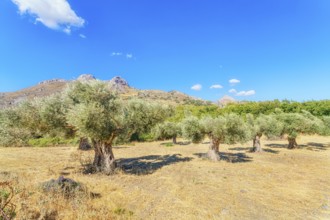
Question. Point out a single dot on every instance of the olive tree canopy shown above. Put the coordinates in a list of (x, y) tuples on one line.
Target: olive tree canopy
[(167, 130), (227, 129), (266, 125), (299, 123), (100, 115)]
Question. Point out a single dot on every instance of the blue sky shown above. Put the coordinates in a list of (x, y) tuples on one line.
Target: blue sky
[(274, 49)]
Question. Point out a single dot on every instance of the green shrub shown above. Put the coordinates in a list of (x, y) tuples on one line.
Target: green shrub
[(51, 141), (168, 144), (146, 137)]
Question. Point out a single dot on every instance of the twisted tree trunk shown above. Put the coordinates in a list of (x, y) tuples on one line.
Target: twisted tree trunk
[(292, 143), (256, 144), (174, 140), (104, 159), (213, 153)]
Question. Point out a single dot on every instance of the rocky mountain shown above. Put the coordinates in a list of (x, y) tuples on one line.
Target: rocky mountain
[(86, 77), (225, 100), (119, 85), (116, 84), (43, 89)]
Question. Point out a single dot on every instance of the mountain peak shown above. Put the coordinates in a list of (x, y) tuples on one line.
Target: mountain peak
[(86, 77), (225, 100), (118, 84)]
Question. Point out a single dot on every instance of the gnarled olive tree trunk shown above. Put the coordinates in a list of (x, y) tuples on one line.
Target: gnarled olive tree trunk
[(256, 143), (213, 153), (174, 140), (104, 159), (292, 143)]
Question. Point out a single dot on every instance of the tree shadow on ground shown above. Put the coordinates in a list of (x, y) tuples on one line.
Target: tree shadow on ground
[(119, 147), (268, 150), (171, 144), (229, 157), (309, 146), (177, 143), (241, 148), (315, 146), (249, 150), (149, 164), (184, 143), (277, 145)]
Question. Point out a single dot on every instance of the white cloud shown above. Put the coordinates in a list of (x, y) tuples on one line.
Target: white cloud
[(82, 36), (216, 86), (246, 93), (116, 54), (54, 14), (129, 56), (196, 87), (234, 81), (232, 91)]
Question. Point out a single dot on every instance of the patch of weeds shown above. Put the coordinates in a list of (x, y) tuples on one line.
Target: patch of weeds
[(51, 141), (7, 208), (122, 211), (168, 144)]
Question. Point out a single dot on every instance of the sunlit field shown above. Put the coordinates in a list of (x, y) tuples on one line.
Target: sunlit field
[(160, 181)]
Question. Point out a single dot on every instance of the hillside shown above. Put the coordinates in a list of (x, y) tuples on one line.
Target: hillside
[(116, 84)]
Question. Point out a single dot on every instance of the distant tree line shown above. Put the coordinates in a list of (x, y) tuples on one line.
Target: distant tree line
[(317, 108), (90, 110)]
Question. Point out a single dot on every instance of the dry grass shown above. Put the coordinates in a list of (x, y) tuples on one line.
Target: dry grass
[(162, 182)]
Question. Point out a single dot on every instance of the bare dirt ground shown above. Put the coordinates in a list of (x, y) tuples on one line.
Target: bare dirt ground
[(160, 182)]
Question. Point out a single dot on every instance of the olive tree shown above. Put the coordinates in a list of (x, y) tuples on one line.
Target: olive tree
[(10, 136), (34, 119), (299, 123), (266, 125), (52, 112), (227, 129), (326, 125), (18, 124), (192, 129), (167, 130), (100, 115)]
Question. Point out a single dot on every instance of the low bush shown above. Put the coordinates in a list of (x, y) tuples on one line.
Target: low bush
[(64, 186), (53, 141)]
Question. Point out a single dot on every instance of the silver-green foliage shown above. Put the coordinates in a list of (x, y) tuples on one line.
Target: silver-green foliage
[(326, 125), (13, 137), (52, 112), (167, 130), (300, 123), (17, 125), (228, 129), (33, 119), (192, 129), (101, 115), (267, 125)]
